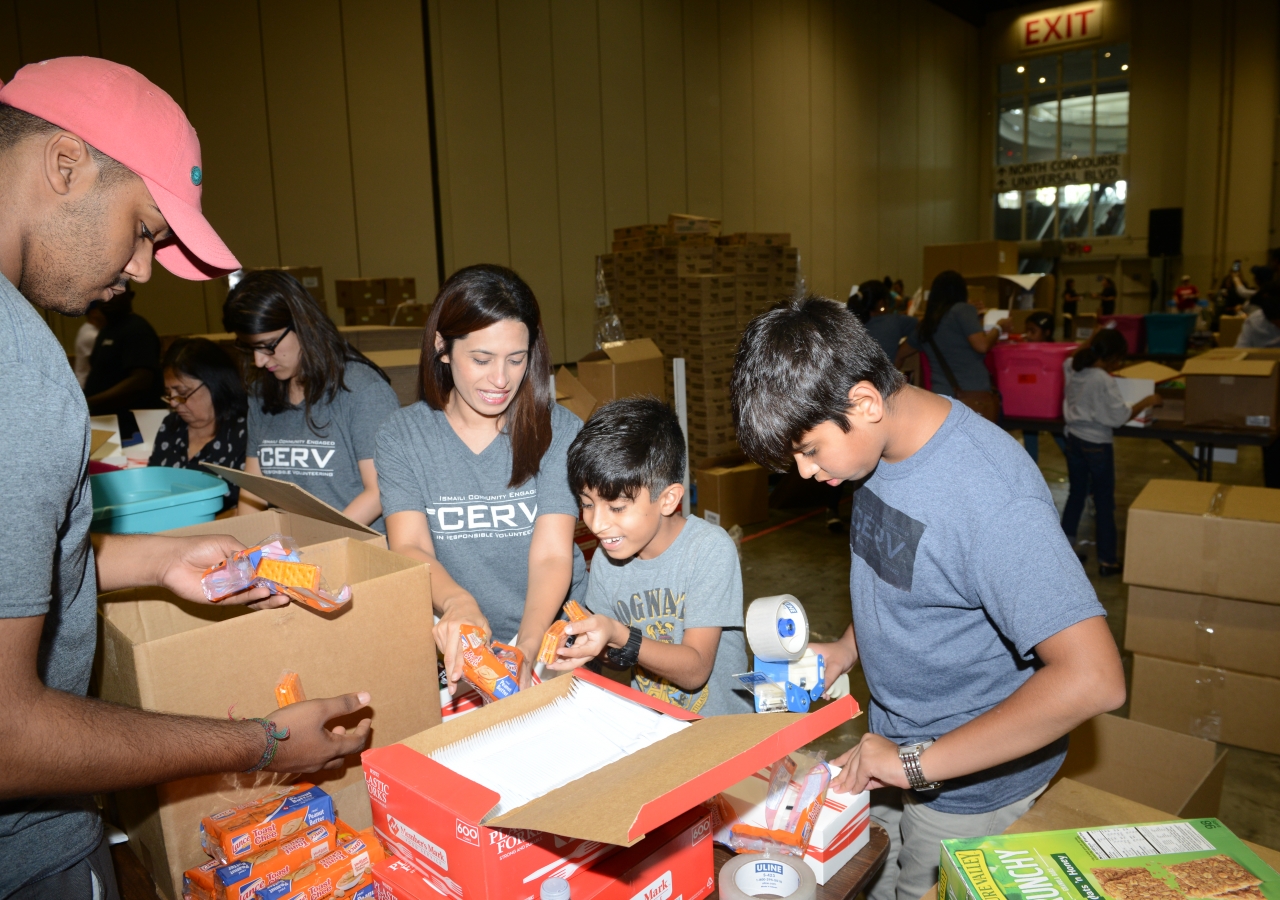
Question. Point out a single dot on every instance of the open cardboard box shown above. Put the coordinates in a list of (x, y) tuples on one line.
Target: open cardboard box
[(164, 654), (624, 369), (1205, 537), (441, 822), (1177, 773), (573, 396)]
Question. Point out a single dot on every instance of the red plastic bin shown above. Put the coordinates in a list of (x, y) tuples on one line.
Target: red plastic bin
[(1029, 377), (1132, 327)]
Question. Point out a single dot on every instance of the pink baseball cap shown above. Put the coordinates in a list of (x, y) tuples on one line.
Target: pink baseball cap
[(128, 118)]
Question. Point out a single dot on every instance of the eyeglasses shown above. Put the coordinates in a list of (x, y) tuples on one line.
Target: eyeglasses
[(268, 348), (172, 399)]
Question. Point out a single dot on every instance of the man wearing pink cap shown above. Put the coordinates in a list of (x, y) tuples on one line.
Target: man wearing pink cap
[(99, 169)]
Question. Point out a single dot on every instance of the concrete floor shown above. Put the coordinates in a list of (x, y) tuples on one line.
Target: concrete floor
[(807, 560)]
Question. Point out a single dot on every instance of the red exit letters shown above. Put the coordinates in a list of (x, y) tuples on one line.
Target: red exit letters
[(1067, 24)]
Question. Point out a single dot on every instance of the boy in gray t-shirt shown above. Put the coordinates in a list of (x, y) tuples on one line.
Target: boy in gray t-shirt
[(666, 592)]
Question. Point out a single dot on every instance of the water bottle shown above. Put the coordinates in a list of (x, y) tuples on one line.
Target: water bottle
[(554, 889), (608, 325)]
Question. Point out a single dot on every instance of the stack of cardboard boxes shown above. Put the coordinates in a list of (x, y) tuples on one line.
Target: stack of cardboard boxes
[(1204, 611), (692, 291), (380, 301)]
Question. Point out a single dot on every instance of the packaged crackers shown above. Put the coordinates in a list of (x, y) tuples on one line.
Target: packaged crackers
[(255, 826), (242, 879), (346, 872), (555, 638), (482, 669)]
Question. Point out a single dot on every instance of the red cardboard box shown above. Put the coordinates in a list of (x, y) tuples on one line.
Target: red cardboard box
[(441, 823)]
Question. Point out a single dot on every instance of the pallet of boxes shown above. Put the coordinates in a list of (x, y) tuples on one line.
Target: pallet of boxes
[(693, 290)]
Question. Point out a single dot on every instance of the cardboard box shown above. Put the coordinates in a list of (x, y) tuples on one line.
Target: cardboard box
[(1206, 538), (1208, 631), (764, 239), (374, 338), (1240, 390), (573, 396), (1124, 862), (1211, 703), (411, 314), (311, 277), (401, 367), (442, 824), (683, 223), (398, 290), (1229, 328), (1084, 323), (167, 655), (731, 491), (972, 260), (1173, 772), (357, 292), (367, 315), (623, 369), (842, 829)]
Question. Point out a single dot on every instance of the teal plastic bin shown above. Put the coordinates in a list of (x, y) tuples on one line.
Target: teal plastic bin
[(154, 498), (1168, 333)]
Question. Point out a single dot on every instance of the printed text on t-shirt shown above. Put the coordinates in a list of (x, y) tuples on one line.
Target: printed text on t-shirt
[(884, 538), (307, 457), (471, 516)]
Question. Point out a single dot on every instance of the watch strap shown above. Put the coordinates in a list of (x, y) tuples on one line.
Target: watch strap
[(910, 756), (626, 656)]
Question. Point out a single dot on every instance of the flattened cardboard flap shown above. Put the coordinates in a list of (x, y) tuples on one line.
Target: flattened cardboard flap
[(626, 351), (1148, 370), (1240, 366), (98, 439), (573, 396), (1193, 498), (1253, 503), (288, 497)]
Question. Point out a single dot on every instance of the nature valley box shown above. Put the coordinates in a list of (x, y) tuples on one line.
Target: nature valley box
[(1199, 859)]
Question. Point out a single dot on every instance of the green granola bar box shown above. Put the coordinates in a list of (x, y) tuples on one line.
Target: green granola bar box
[(1197, 859)]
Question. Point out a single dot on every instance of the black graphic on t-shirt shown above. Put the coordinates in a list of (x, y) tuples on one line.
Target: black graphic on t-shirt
[(884, 538)]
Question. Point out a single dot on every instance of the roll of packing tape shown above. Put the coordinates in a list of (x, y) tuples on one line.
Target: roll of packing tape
[(777, 628), (752, 875)]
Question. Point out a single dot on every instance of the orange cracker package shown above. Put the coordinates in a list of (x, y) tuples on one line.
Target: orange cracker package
[(482, 669), (511, 657), (276, 565), (792, 839), (259, 824), (555, 638), (289, 689), (346, 872), (198, 883), (242, 879)]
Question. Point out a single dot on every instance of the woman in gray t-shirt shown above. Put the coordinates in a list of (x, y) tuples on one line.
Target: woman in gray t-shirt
[(315, 402), (474, 477), (951, 327)]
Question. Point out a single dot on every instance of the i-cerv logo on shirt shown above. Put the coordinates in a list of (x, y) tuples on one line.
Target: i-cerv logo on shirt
[(484, 516), (294, 457)]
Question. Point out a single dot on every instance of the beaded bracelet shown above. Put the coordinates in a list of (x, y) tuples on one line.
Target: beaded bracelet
[(274, 737)]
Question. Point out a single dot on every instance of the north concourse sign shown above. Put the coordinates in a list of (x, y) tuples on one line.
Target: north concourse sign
[(1100, 169)]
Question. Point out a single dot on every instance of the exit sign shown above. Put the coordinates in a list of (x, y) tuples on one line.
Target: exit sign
[(1056, 27)]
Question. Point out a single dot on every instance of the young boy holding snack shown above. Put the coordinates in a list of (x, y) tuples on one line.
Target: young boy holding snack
[(666, 591), (978, 665)]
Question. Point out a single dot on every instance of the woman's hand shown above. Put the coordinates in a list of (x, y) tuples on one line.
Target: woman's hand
[(530, 650), (459, 610), (872, 763)]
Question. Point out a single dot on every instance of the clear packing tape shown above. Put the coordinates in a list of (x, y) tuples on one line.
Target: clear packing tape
[(1206, 715)]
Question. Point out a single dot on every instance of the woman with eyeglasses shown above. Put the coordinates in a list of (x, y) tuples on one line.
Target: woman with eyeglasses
[(316, 402), (207, 422)]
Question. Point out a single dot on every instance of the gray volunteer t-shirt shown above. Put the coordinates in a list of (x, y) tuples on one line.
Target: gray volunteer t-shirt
[(47, 567), (889, 329), (959, 568), (325, 461), (694, 583), (952, 338), (481, 529)]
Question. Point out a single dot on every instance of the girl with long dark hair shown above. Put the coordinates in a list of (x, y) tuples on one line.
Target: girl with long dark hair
[(474, 476), (207, 424), (316, 402), (952, 339)]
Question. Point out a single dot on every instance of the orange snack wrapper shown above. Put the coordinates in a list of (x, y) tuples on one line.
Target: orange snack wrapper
[(290, 574), (199, 883), (343, 873), (254, 826), (242, 879), (511, 657), (289, 689), (483, 670), (555, 638)]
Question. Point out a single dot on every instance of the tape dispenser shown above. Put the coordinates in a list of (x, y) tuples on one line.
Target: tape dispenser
[(787, 675)]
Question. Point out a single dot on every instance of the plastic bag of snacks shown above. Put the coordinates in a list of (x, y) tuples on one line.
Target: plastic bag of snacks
[(789, 836), (555, 638), (276, 565), (483, 669)]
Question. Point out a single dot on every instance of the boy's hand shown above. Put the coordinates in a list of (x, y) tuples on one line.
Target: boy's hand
[(838, 660), (311, 746), (183, 561), (594, 635), (872, 763)]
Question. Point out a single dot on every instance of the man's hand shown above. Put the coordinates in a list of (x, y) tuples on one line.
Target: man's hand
[(872, 763), (460, 610), (184, 561), (592, 636), (310, 746)]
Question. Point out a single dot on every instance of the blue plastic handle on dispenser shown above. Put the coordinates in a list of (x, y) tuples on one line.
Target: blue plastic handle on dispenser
[(786, 627)]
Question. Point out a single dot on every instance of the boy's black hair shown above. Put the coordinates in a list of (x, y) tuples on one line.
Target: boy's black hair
[(626, 445), (1108, 345), (794, 369)]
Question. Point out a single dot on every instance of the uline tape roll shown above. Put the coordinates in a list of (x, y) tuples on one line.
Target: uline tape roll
[(777, 628), (752, 875)]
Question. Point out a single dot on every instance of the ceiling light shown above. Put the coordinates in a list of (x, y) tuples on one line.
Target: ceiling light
[(1107, 55), (1124, 68), (1021, 69), (1042, 79)]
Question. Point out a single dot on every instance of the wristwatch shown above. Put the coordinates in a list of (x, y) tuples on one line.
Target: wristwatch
[(910, 756), (625, 657)]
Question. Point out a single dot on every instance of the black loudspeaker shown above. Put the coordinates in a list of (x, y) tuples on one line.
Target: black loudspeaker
[(1164, 232)]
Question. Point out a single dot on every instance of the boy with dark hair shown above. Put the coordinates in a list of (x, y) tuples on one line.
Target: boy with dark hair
[(978, 664), (666, 591)]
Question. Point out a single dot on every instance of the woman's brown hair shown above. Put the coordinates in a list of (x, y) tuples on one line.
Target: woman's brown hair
[(470, 300), (271, 300)]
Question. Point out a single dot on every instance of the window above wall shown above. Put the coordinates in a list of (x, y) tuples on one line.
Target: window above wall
[(1062, 142)]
